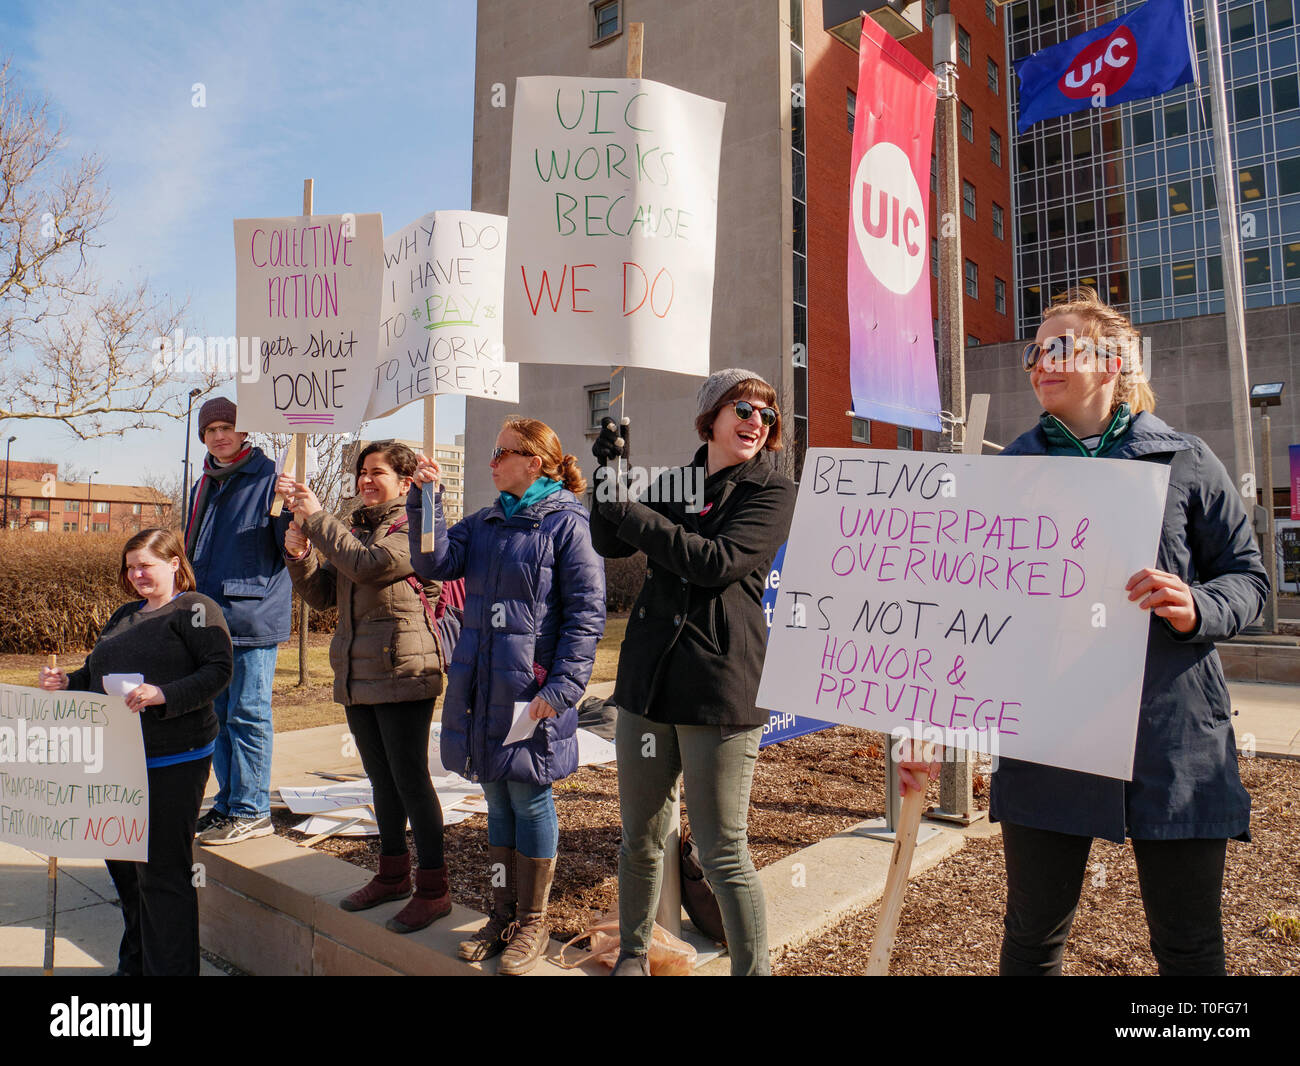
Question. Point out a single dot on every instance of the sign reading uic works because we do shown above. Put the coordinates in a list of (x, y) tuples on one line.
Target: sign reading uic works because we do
[(975, 599), (73, 782), (613, 220), (442, 313), (308, 291)]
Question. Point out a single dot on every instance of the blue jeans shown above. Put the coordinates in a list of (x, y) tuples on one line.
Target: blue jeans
[(522, 816), (242, 757)]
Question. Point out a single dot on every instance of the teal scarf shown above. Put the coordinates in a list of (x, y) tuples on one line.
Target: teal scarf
[(1060, 441), (538, 490)]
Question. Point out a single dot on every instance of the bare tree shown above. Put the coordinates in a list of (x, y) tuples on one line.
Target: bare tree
[(334, 481), (168, 509), (75, 351)]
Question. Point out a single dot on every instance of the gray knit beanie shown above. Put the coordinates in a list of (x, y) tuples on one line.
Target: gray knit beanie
[(718, 384)]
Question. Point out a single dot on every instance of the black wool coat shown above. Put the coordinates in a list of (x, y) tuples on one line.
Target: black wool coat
[(695, 642)]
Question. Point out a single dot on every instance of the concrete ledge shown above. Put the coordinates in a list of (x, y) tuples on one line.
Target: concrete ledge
[(1272, 662)]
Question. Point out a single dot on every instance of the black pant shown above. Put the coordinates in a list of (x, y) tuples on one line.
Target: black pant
[(1181, 883), (393, 739), (160, 906)]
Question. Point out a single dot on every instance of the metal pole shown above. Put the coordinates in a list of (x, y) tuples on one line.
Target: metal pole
[(8, 445), (1270, 532), (952, 331), (1234, 304)]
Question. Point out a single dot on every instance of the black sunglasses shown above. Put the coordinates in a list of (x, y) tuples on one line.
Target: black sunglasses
[(745, 411)]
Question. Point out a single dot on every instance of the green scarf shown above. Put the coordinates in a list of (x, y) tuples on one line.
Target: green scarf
[(1060, 441), (538, 490)]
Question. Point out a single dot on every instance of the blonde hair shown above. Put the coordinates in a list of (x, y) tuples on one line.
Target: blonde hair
[(1113, 335), (539, 439)]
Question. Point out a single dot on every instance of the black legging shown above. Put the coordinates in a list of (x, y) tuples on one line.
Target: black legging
[(1181, 883), (393, 739)]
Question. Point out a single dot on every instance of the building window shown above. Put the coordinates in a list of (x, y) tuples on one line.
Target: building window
[(1245, 103), (606, 20), (40, 525), (968, 199), (72, 505), (101, 507), (963, 46), (1280, 14), (1241, 24), (1148, 205), (1150, 280), (40, 504), (934, 175), (972, 341), (853, 108), (934, 256), (998, 229), (1285, 94), (1256, 260), (993, 77), (905, 438), (1288, 176), (999, 296), (968, 123), (860, 430), (995, 147), (991, 10), (929, 12), (135, 508), (99, 527), (1144, 130), (972, 280), (597, 405), (69, 527)]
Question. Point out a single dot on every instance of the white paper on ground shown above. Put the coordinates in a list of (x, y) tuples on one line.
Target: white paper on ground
[(524, 726), (122, 684)]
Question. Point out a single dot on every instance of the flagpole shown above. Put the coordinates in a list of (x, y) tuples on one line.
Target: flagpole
[(952, 336), (1234, 303)]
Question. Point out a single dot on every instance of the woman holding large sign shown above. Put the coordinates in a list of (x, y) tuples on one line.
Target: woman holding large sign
[(176, 639), (534, 613), (690, 665), (1185, 800), (387, 670)]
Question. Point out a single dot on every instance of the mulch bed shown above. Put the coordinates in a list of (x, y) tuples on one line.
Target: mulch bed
[(952, 921), (805, 789)]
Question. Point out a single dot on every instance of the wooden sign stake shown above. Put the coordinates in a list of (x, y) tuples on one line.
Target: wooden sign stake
[(426, 495), (891, 906), (298, 447), (52, 891)]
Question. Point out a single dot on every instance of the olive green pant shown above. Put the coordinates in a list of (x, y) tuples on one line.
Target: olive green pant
[(717, 763)]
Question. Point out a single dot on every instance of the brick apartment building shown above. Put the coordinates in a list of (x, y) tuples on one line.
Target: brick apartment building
[(38, 501)]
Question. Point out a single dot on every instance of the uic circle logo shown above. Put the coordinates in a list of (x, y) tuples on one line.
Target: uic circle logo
[(1109, 62), (889, 218)]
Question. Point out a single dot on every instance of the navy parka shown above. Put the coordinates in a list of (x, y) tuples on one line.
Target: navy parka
[(534, 613), (1185, 782)]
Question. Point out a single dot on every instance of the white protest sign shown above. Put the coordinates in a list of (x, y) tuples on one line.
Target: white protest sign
[(72, 776), (613, 220), (976, 601), (307, 296), (441, 315)]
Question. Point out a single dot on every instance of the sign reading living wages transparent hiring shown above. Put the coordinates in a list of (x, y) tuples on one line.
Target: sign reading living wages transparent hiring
[(72, 777), (613, 220), (440, 321), (982, 597), (307, 288)]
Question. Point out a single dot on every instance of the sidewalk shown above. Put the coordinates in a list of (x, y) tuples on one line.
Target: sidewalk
[(1266, 720)]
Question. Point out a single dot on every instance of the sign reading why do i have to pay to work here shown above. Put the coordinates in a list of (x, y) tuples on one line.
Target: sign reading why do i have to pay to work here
[(978, 596), (308, 295), (441, 318), (72, 775), (613, 221)]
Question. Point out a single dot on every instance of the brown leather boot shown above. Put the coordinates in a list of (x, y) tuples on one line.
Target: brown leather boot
[(432, 900), (392, 882), (488, 941), (528, 944)]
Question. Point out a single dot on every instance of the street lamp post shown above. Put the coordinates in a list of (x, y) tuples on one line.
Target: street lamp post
[(8, 445), (185, 477), (90, 481), (1264, 397)]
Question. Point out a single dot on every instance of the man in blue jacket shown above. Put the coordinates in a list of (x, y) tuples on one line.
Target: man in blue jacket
[(238, 554)]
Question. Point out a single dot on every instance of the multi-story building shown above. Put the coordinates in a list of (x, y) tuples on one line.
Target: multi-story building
[(43, 504), (779, 304), (451, 461)]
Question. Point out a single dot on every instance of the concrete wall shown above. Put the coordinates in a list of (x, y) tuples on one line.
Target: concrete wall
[(730, 52), (1189, 374)]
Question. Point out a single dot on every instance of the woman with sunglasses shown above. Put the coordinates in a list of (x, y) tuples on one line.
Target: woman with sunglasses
[(534, 612), (1185, 800), (690, 663)]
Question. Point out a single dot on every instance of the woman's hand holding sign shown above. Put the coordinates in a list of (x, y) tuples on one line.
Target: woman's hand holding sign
[(1166, 594), (300, 498)]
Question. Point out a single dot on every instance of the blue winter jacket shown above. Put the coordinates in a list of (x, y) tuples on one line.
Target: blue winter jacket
[(534, 612), (239, 556), (1185, 782)]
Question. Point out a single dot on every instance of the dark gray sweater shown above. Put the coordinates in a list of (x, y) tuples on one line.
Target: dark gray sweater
[(184, 649)]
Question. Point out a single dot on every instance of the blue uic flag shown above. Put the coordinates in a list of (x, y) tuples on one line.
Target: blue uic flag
[(1145, 53)]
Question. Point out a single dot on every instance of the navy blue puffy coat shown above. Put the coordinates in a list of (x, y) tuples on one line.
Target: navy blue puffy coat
[(1185, 781), (537, 576)]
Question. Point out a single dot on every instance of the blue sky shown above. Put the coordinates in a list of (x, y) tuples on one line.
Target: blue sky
[(373, 101)]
